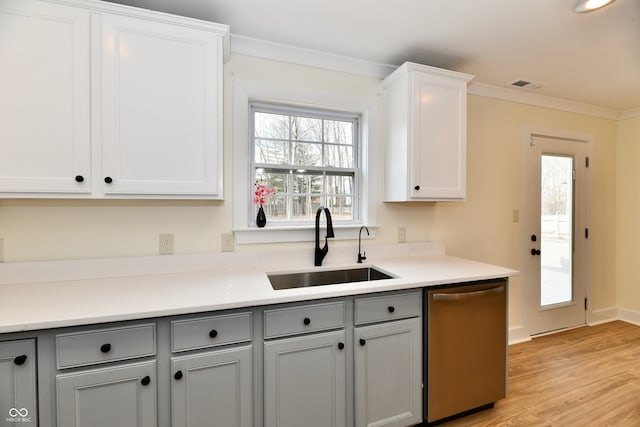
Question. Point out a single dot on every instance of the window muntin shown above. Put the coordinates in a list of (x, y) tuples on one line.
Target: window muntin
[(310, 157)]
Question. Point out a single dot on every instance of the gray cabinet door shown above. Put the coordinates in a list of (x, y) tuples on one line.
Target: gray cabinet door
[(305, 381), (213, 388), (123, 396), (18, 383), (388, 374)]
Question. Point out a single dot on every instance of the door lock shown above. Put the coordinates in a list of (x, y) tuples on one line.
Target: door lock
[(535, 251)]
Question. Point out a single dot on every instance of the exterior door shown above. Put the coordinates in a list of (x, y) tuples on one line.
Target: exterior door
[(555, 233)]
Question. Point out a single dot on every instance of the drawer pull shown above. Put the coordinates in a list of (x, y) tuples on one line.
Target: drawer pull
[(306, 321), (105, 348), (178, 375), (362, 341), (468, 295), (20, 359), (340, 346), (213, 333), (108, 179), (391, 309), (79, 178), (145, 381)]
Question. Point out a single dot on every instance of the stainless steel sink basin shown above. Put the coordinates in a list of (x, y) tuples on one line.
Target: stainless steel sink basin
[(325, 277)]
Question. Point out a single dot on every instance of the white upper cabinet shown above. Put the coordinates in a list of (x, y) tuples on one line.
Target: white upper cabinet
[(108, 101), (160, 87), (425, 134), (45, 103)]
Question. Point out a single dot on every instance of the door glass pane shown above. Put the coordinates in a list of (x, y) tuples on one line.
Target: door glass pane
[(556, 226)]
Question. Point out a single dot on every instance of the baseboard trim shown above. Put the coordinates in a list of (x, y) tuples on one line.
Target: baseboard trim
[(604, 315), (518, 334), (629, 316)]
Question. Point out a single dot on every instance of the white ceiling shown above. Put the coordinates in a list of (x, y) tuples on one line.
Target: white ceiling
[(591, 58)]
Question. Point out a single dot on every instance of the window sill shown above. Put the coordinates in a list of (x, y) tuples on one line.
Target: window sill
[(289, 234)]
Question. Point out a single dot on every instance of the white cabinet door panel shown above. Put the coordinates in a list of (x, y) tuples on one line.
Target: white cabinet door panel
[(18, 402), (213, 388), (160, 111), (388, 374), (304, 381), (108, 397), (45, 104)]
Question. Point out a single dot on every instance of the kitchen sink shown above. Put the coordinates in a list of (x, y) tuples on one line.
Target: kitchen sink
[(325, 277)]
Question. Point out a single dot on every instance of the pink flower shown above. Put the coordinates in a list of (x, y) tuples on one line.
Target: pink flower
[(262, 193)]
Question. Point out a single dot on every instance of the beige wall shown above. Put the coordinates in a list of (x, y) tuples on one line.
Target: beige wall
[(480, 228), (628, 215)]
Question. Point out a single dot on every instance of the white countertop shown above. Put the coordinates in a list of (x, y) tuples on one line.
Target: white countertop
[(46, 295)]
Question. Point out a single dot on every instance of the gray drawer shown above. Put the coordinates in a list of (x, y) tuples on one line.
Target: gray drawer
[(303, 319), (105, 345), (388, 307), (212, 331)]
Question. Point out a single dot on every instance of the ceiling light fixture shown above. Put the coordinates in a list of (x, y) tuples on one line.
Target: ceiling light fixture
[(584, 6)]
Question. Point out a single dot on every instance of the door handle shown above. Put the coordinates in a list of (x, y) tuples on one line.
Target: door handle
[(467, 295), (535, 251)]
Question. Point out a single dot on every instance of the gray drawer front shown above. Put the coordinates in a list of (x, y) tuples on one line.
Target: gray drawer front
[(303, 319), (210, 331), (105, 345), (388, 307)]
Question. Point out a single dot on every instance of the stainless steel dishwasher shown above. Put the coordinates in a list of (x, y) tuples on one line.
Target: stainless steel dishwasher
[(466, 348)]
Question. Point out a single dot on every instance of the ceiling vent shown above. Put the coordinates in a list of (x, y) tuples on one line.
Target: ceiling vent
[(526, 84)]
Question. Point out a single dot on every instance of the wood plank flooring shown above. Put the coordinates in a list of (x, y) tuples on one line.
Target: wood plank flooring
[(588, 376)]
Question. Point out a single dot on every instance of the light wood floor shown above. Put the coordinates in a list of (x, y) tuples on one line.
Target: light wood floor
[(588, 376)]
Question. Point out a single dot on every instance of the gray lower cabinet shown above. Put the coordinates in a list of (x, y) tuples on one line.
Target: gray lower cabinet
[(18, 401), (123, 396), (388, 374), (212, 388), (305, 381)]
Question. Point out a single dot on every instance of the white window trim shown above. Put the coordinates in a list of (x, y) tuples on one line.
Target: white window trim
[(246, 91)]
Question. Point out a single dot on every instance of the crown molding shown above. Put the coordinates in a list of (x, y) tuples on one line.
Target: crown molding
[(249, 46), (517, 95)]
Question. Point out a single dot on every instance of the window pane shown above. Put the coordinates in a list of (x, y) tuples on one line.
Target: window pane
[(338, 132), (271, 152), (277, 180), (274, 126), (340, 185), (304, 207), (307, 184), (276, 208), (306, 129), (338, 156), (341, 206), (305, 154)]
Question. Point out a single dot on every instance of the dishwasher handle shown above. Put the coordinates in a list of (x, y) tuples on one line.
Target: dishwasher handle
[(467, 295)]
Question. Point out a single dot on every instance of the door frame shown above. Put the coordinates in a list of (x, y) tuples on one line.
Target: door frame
[(530, 132)]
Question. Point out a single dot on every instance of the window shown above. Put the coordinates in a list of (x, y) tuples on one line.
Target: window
[(310, 157)]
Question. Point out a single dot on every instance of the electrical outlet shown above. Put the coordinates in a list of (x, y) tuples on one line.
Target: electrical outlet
[(227, 242), (402, 234), (166, 244)]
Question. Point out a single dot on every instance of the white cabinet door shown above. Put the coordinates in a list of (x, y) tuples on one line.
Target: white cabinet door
[(18, 402), (425, 132), (388, 374), (305, 381), (44, 101), (161, 98), (123, 396), (438, 137), (213, 388)]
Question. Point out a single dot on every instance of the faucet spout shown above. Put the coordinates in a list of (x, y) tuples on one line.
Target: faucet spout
[(320, 253), (361, 257)]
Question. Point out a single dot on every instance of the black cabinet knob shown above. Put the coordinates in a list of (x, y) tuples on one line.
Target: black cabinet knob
[(417, 188), (362, 341), (146, 380), (105, 348), (535, 252), (108, 179), (79, 178), (534, 237), (306, 321), (341, 346), (391, 309), (19, 360), (213, 333), (178, 375)]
